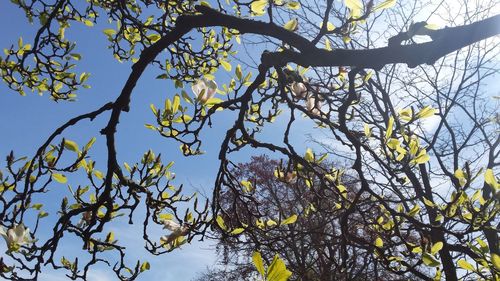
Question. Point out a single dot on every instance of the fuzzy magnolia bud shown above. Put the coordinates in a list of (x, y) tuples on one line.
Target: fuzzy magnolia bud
[(204, 89), (299, 90), (177, 231), (16, 236), (313, 105)]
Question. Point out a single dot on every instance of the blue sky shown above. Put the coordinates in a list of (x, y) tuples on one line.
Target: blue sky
[(27, 121)]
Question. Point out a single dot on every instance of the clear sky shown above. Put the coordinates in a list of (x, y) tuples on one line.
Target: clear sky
[(27, 121)]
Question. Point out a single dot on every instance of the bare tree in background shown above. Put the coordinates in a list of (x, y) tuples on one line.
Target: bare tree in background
[(310, 241)]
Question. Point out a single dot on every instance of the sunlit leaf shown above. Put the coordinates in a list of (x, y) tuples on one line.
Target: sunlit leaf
[(309, 156), (238, 72), (175, 104), (259, 264), (354, 4), (368, 131), (220, 223), (426, 112), (89, 144), (271, 222), (237, 231), (277, 270), (465, 265), (145, 266), (258, 7), (328, 46), (60, 178), (385, 5), (422, 157), (390, 124), (247, 185), (226, 65), (436, 247), (490, 179), (291, 25), (293, 5), (291, 219), (495, 260), (430, 260), (71, 145)]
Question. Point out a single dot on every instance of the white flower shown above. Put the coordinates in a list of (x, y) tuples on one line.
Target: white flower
[(204, 89), (299, 90), (171, 225), (177, 231), (314, 105), (16, 236)]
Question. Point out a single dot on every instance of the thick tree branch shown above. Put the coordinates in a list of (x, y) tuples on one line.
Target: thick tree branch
[(449, 40)]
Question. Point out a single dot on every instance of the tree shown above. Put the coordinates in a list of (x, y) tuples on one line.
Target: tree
[(356, 90), (309, 236)]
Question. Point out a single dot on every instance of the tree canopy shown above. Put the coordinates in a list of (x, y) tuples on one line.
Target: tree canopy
[(399, 104)]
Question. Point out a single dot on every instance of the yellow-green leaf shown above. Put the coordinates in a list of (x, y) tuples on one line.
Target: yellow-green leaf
[(271, 222), (426, 112), (154, 37), (415, 210), (422, 157), (385, 5), (60, 178), (353, 4), (430, 260), (109, 32), (145, 266), (238, 72), (110, 237), (329, 26), (277, 270), (88, 23), (291, 25), (490, 179), (225, 65), (379, 243), (164, 217), (176, 103), (98, 174), (465, 265), (309, 156), (406, 114), (328, 46), (368, 131), (259, 264), (495, 260), (436, 247), (390, 124), (293, 5), (89, 144), (247, 185), (237, 231), (428, 202), (153, 109), (213, 101), (71, 145), (291, 219), (258, 7), (220, 223), (432, 26)]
